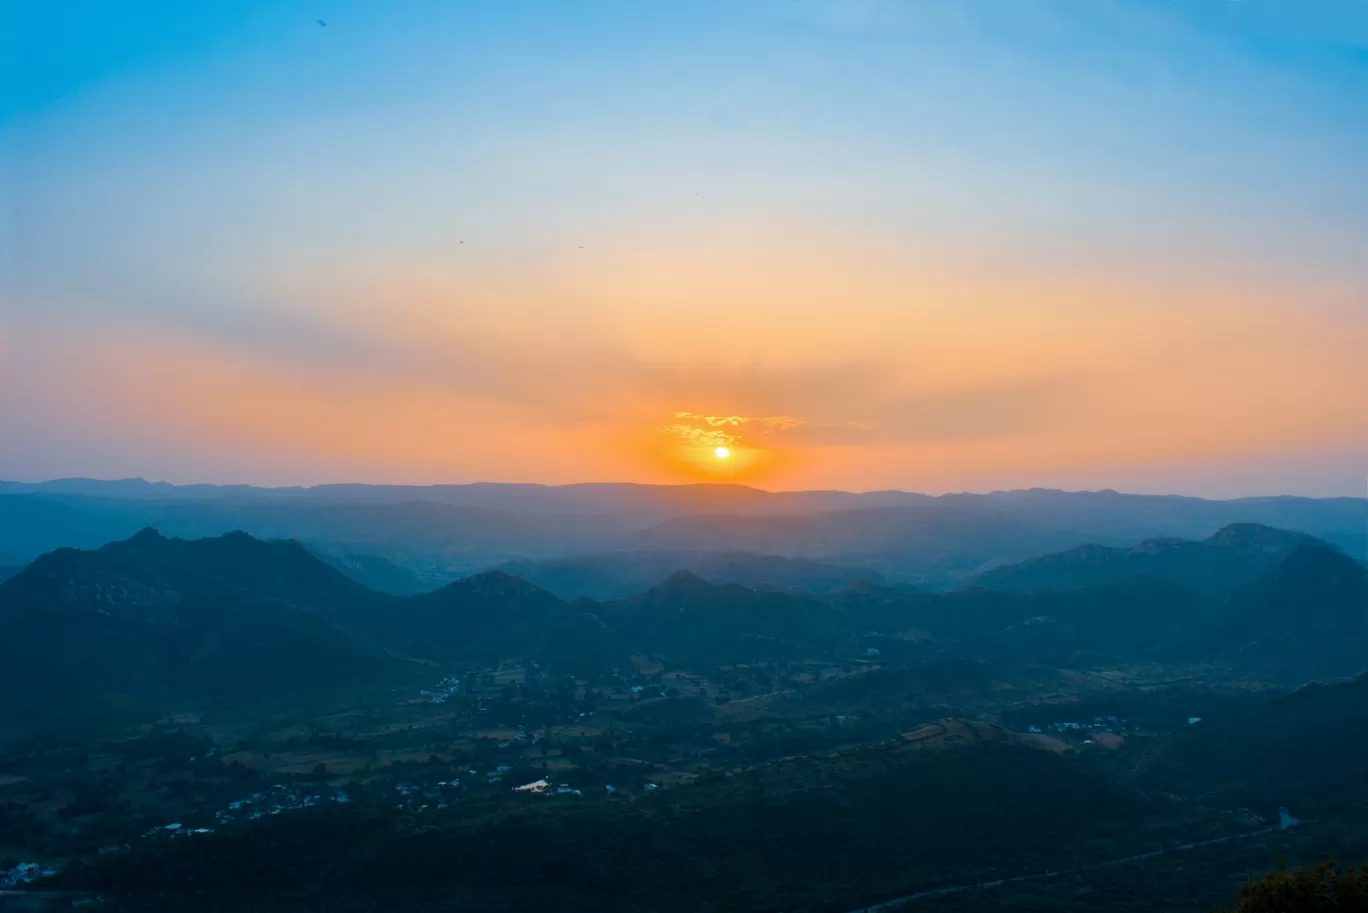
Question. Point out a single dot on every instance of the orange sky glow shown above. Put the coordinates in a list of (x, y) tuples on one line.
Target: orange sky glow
[(938, 246), (816, 368)]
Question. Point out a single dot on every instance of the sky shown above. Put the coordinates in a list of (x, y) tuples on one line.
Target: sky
[(935, 245)]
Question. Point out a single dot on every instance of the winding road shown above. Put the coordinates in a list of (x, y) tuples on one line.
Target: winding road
[(1039, 876)]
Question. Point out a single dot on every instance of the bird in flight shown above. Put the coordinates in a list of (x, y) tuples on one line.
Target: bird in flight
[(320, 22)]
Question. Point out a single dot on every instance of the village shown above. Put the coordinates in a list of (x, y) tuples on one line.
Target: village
[(24, 873), (477, 740)]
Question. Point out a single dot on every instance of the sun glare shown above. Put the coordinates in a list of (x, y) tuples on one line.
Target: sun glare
[(721, 453)]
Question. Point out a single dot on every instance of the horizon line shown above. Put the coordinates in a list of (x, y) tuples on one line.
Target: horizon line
[(671, 485)]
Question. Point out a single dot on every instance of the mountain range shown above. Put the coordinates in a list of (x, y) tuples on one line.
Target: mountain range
[(441, 532), (617, 575), (152, 624), (1232, 555)]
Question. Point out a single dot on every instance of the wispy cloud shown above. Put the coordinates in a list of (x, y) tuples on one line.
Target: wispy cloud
[(733, 430)]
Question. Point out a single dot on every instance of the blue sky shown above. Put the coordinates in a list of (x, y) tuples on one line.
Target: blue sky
[(420, 204)]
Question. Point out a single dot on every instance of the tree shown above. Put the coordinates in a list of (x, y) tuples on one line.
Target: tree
[(1324, 889)]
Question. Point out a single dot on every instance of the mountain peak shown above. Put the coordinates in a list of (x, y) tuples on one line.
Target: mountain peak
[(862, 587), (684, 580), (494, 575), (1256, 537), (494, 583), (498, 579)]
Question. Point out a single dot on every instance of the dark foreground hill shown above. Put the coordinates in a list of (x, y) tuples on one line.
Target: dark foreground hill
[(804, 834), (1312, 609), (950, 803), (1306, 748)]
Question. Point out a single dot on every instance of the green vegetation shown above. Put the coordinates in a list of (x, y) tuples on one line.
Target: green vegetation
[(1325, 889), (234, 725)]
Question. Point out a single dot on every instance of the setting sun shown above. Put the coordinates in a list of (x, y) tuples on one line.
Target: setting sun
[(721, 453)]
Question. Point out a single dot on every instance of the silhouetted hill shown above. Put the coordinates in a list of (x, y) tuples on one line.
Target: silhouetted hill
[(581, 641), (1304, 750), (1311, 609), (690, 620), (1132, 617), (617, 575), (1233, 555), (495, 615), (462, 537), (132, 577), (472, 536), (152, 624), (1111, 516), (933, 540)]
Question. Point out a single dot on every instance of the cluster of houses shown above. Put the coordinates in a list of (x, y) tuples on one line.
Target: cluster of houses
[(443, 692), (24, 873), (177, 830), (544, 786), (412, 798), (1098, 724), (274, 801), (442, 794)]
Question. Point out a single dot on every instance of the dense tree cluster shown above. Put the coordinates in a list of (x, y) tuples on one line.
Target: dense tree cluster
[(1327, 888)]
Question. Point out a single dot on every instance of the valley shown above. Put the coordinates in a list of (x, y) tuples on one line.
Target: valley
[(231, 710)]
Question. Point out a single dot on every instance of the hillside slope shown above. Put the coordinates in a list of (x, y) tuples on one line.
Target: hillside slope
[(151, 625), (1233, 555)]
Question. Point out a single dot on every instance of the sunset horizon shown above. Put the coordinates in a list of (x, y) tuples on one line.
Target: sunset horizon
[(57, 483), (683, 456), (859, 244)]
